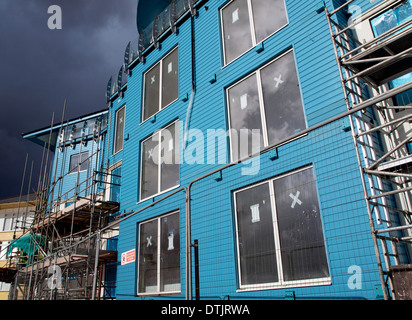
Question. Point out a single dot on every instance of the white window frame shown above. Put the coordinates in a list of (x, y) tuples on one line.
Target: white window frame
[(158, 292), (160, 64), (281, 283), (252, 30), (115, 129), (159, 167), (261, 101), (108, 180), (75, 170)]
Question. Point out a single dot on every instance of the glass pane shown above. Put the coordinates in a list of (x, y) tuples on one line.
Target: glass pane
[(74, 162), (148, 257), (392, 18), (75, 159), (268, 16), (119, 130), (151, 92), (404, 98), (170, 254), (115, 186), (255, 236), (7, 223), (150, 174), (281, 95), (84, 161), (170, 78), (245, 116), (236, 29), (300, 228), (170, 157)]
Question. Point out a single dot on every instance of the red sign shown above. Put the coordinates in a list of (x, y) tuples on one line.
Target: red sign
[(128, 257)]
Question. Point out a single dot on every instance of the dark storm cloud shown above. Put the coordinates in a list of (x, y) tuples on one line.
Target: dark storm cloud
[(40, 68)]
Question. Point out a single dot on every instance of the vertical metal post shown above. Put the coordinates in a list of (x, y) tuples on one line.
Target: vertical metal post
[(197, 287), (96, 264)]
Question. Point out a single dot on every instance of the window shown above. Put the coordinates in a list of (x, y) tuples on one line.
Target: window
[(8, 223), (159, 255), (279, 233), (81, 159), (404, 98), (161, 85), (391, 18), (248, 22), (116, 176), (119, 130), (267, 101), (4, 246), (160, 162)]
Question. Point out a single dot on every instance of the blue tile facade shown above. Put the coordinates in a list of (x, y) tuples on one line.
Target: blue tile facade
[(328, 149), (202, 105)]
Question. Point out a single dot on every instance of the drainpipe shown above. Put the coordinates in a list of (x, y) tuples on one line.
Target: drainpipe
[(189, 295)]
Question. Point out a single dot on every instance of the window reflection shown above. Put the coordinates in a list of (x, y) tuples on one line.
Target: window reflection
[(248, 22), (244, 109), (282, 99), (236, 29), (268, 16)]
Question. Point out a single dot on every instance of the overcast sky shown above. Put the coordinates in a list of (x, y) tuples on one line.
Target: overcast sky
[(40, 68)]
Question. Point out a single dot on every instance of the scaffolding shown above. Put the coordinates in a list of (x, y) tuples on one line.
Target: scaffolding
[(68, 255), (381, 132)]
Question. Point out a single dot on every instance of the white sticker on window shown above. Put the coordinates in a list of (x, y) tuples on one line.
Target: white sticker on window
[(235, 15), (153, 80), (295, 198), (149, 241), (170, 241), (150, 154), (255, 213), (278, 80), (170, 67), (243, 101), (170, 144)]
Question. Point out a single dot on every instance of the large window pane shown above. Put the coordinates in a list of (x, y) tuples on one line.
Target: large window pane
[(160, 155), (279, 232), (170, 254), (282, 99), (236, 29), (245, 116), (170, 78), (119, 134), (301, 236), (150, 171), (159, 255), (269, 16), (161, 85), (148, 257), (151, 92), (170, 157), (256, 236)]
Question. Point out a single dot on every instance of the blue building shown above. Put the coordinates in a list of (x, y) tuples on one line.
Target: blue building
[(256, 150)]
